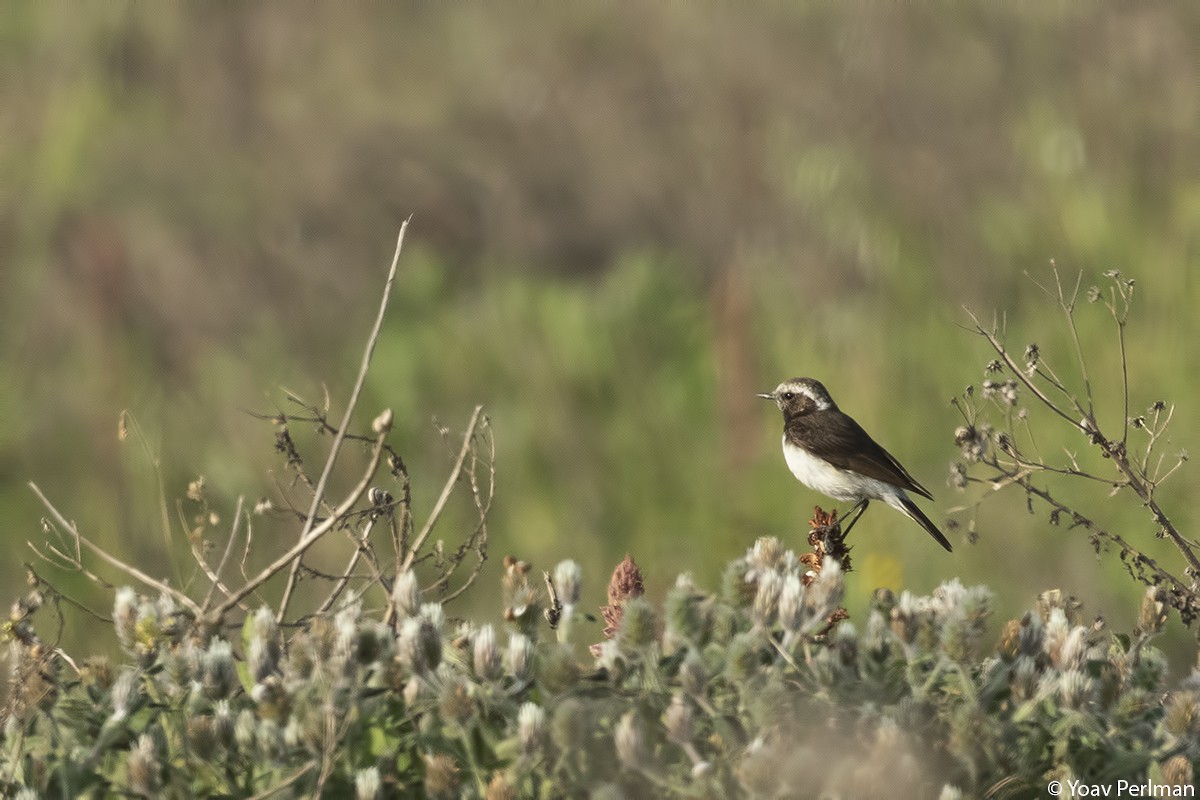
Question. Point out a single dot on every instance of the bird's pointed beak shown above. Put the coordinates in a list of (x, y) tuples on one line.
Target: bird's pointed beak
[(765, 396)]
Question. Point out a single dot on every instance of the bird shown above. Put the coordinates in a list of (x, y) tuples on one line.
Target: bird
[(828, 451)]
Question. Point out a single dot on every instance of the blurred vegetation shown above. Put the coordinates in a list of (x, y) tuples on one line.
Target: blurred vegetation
[(754, 691), (625, 224)]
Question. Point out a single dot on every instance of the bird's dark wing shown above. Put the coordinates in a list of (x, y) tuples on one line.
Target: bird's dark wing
[(841, 441)]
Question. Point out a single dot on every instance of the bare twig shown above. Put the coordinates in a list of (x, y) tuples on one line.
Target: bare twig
[(319, 492), (279, 787), (111, 560), (216, 577), (1012, 364), (308, 541), (440, 505), (1138, 472)]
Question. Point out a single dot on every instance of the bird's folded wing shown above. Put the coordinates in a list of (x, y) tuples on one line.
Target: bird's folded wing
[(846, 445)]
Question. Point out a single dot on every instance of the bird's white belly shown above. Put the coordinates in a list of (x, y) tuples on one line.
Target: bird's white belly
[(840, 484)]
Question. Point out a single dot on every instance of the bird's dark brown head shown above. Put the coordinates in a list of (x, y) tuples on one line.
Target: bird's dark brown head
[(800, 396)]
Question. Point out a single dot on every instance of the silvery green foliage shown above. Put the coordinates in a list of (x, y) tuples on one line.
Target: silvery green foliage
[(745, 692)]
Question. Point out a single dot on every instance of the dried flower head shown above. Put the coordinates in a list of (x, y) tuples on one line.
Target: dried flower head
[(625, 584)]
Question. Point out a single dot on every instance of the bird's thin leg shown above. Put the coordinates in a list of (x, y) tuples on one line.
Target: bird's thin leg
[(857, 510)]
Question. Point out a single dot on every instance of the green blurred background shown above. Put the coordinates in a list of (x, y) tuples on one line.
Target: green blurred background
[(628, 219)]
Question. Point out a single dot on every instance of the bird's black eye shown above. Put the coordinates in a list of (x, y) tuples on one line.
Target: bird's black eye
[(788, 395)]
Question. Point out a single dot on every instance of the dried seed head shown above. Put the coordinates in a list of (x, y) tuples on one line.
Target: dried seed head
[(367, 784), (766, 554), (1153, 614), (958, 476), (456, 703), (685, 618), (499, 788), (145, 773), (766, 597), (1029, 637), (1182, 717), (1177, 771), (825, 593), (1056, 631), (1024, 678), (126, 692), (345, 626), (201, 736), (1032, 356), (223, 723), (125, 617), (692, 675), (264, 648), (419, 645), (219, 672), (269, 738), (791, 604), (573, 725), (487, 657), (678, 720), (639, 626), (906, 617), (245, 730), (631, 747), (567, 579), (1075, 688), (441, 775), (434, 614), (531, 727), (520, 657), (406, 594)]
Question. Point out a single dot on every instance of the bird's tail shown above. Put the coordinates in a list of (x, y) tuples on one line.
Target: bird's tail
[(911, 509)]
